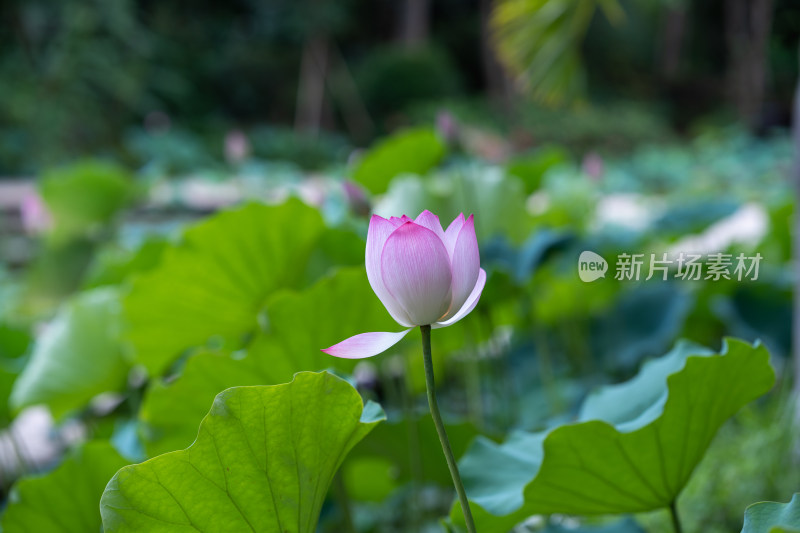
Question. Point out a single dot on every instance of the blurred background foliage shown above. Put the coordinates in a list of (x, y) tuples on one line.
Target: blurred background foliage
[(104, 78), (184, 187)]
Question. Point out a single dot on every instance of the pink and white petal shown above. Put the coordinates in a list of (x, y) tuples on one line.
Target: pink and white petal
[(451, 234), (399, 221), (365, 344), (378, 233), (469, 305), (415, 269), (429, 220), (465, 264)]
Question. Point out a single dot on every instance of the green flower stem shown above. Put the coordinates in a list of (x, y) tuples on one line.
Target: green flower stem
[(676, 521), (437, 421)]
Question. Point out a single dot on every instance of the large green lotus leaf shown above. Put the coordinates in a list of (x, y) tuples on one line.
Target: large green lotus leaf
[(773, 517), (495, 477), (408, 152), (647, 437), (263, 461), (83, 197), (65, 500), (639, 400), (215, 282), (298, 325), (78, 356)]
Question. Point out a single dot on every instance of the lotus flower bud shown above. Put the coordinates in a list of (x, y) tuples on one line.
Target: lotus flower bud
[(421, 273)]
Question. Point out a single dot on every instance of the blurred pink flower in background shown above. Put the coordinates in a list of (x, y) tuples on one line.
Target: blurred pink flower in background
[(237, 147), (421, 273), (447, 126), (314, 190), (356, 198), (35, 216), (485, 144), (593, 165)]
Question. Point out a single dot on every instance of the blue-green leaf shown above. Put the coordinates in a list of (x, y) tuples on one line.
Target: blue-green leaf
[(77, 357), (633, 449), (772, 517)]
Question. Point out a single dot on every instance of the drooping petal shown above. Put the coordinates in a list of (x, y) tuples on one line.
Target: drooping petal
[(469, 305), (429, 220), (379, 231), (451, 234), (465, 264), (415, 269), (365, 344), (399, 221)]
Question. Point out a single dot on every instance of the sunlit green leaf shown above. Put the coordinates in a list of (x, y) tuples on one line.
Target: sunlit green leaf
[(77, 357), (85, 196), (539, 41), (67, 499), (298, 326), (412, 151), (216, 281), (262, 461), (634, 448)]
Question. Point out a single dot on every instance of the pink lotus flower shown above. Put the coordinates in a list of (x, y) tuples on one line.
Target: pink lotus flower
[(36, 218), (421, 273)]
